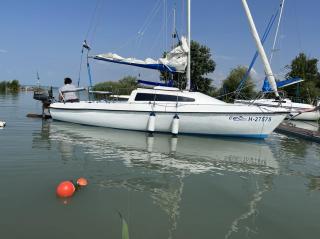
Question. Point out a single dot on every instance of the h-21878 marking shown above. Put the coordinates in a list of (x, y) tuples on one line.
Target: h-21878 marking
[(259, 118)]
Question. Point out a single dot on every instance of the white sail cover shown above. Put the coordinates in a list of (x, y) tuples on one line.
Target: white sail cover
[(175, 60)]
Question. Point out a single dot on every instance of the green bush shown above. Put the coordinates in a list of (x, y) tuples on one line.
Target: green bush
[(121, 87), (12, 86)]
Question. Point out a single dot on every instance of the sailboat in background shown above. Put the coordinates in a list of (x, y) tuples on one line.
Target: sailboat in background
[(298, 111), (171, 110)]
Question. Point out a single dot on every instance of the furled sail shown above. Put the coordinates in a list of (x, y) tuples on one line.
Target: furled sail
[(175, 60)]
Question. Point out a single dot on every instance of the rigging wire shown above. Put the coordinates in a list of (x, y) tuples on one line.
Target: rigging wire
[(80, 68), (277, 31), (165, 18), (138, 37), (98, 20), (92, 18), (264, 37), (182, 23), (150, 17), (156, 39), (297, 25), (96, 16), (85, 45)]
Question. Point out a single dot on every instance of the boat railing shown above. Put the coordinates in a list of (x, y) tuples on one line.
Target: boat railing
[(62, 92), (111, 94)]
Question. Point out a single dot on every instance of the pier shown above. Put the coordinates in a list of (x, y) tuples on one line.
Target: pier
[(290, 129)]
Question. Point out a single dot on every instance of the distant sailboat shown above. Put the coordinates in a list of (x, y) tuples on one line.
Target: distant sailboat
[(171, 110), (298, 111)]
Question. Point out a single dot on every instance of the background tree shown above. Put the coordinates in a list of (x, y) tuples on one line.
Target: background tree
[(305, 68), (3, 86), (201, 65), (12, 86), (121, 87), (231, 83)]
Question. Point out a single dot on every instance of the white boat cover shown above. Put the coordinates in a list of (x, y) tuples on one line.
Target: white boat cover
[(175, 60)]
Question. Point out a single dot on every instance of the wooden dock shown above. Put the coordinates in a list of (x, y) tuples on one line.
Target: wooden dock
[(290, 129)]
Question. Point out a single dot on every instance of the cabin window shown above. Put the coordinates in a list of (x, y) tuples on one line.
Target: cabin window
[(282, 101), (161, 97)]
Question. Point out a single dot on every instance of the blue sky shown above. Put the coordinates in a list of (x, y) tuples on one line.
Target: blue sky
[(46, 36)]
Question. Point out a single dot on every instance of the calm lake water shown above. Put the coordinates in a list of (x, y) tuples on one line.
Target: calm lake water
[(185, 187)]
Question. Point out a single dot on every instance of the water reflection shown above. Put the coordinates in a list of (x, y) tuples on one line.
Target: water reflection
[(40, 138), (157, 165), (314, 183), (165, 153), (251, 214)]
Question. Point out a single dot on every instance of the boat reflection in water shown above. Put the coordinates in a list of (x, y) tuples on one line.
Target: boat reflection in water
[(183, 153), (159, 164)]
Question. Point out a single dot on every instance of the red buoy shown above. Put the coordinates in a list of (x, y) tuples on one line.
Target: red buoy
[(82, 182), (65, 189)]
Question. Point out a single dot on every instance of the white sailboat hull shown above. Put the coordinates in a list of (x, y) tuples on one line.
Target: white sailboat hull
[(224, 120)]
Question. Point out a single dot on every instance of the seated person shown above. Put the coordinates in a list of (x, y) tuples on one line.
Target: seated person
[(67, 93)]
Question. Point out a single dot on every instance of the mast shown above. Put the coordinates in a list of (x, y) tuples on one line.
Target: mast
[(189, 46), (262, 53), (38, 79), (174, 32)]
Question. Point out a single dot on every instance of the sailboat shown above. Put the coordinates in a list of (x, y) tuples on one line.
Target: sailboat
[(298, 111), (171, 110)]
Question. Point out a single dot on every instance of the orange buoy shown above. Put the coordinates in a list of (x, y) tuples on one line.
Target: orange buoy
[(65, 189), (82, 182)]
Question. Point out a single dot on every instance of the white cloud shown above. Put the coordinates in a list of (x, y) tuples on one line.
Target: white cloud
[(257, 77), (3, 51), (254, 74), (217, 77)]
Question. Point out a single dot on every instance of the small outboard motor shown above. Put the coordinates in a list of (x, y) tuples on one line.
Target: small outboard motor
[(45, 96)]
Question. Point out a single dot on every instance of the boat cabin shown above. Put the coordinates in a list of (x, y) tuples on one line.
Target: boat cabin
[(170, 95)]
